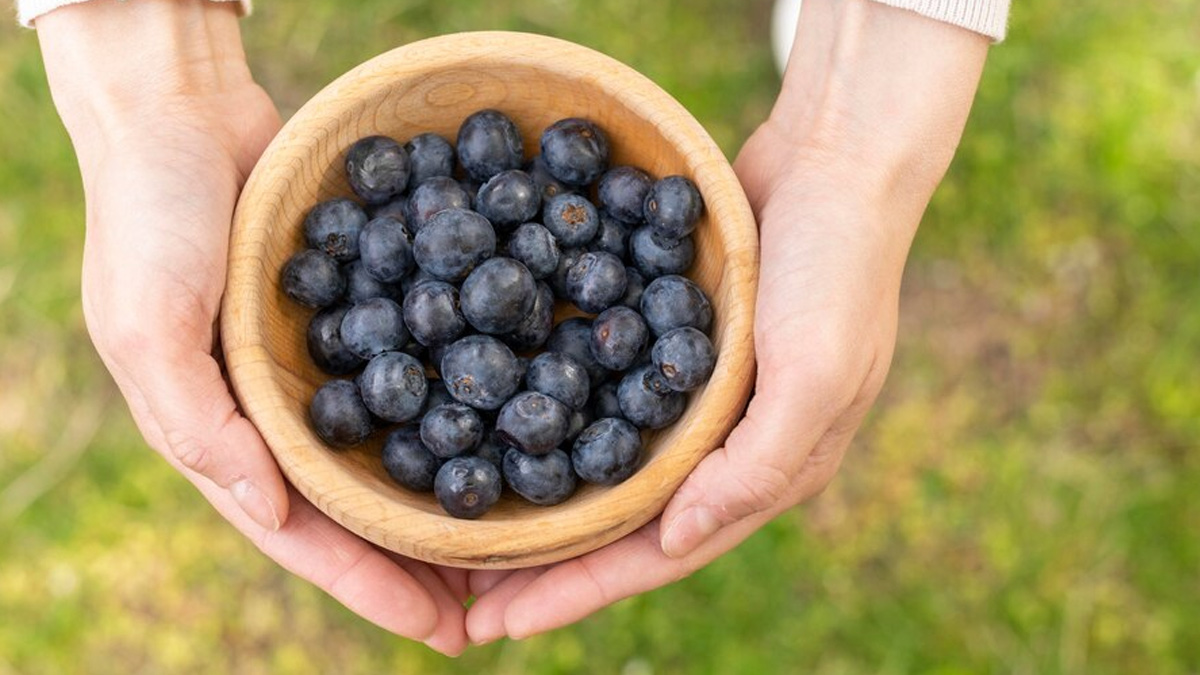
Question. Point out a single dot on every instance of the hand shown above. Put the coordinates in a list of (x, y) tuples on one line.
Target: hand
[(839, 177), (168, 124)]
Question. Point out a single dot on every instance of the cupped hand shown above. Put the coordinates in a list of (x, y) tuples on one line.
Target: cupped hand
[(162, 171)]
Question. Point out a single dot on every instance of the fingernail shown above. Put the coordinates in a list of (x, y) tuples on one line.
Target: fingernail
[(255, 504), (689, 530)]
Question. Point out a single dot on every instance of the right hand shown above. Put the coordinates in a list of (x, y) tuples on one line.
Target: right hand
[(167, 124)]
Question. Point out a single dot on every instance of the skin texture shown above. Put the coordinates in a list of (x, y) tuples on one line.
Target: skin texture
[(157, 94)]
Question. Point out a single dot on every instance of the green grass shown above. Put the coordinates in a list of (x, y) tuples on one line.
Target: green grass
[(1022, 499)]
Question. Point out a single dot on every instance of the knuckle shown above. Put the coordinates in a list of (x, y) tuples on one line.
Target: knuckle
[(760, 487), (193, 453)]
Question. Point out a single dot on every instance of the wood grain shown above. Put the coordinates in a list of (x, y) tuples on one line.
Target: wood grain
[(432, 86)]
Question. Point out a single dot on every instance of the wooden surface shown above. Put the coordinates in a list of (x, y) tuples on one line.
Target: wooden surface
[(432, 86)]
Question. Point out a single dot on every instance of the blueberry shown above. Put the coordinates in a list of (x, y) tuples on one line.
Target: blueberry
[(374, 326), (559, 376), (573, 337), (607, 452), (580, 419), (509, 198), (333, 227), (480, 371), (647, 401), (622, 192), (393, 387), (492, 449), (385, 248), (325, 346), (654, 256), (313, 279), (604, 401), (537, 249), (471, 187), (414, 349), (498, 295), (467, 487), (338, 414), (360, 285), (596, 281), (535, 328), (611, 237), (533, 422), (432, 313), (415, 278), (545, 480), (397, 208), (430, 156), (567, 258), (451, 429), (673, 302), (377, 168), (488, 143), (438, 394), (619, 336), (548, 184), (431, 198), (634, 287), (408, 461), (453, 243), (685, 357), (672, 207), (575, 151), (572, 219)]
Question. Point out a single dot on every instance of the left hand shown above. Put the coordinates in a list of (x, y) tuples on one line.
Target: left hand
[(837, 210)]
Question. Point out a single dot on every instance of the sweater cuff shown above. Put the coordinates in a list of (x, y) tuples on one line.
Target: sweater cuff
[(989, 17), (28, 10)]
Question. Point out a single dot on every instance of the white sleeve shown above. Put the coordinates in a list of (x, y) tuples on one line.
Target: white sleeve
[(989, 17), (28, 10)]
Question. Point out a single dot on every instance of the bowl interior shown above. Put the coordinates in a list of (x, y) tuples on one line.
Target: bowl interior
[(432, 87)]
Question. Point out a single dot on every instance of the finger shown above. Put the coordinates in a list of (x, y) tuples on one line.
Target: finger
[(457, 581), (450, 635), (482, 581), (485, 620)]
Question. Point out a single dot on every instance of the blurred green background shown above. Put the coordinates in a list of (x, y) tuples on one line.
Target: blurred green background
[(1022, 499)]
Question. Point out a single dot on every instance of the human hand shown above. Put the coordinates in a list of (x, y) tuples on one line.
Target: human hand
[(167, 124), (872, 109)]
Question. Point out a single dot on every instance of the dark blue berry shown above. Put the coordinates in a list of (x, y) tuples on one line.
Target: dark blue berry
[(498, 295), (535, 328), (415, 278), (572, 219), (313, 279), (622, 192), (673, 302), (619, 336), (338, 414), (647, 401), (397, 208), (438, 394), (360, 285), (575, 151), (431, 198), (333, 227), (654, 256), (488, 143), (536, 248), (451, 429), (408, 461), (429, 156), (685, 357), (385, 249), (567, 258), (612, 236), (672, 207), (492, 449), (545, 480), (453, 243), (374, 326), (432, 313), (324, 339), (634, 287), (548, 184), (480, 371), (580, 419), (533, 422), (604, 401), (573, 337), (607, 452), (393, 387), (559, 376), (508, 199), (468, 486), (596, 281), (377, 168)]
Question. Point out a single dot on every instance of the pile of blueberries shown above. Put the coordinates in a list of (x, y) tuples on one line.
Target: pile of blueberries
[(458, 267)]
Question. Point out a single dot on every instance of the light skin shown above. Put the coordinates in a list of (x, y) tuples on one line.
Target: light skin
[(167, 123)]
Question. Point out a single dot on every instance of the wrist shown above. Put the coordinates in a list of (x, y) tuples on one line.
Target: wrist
[(115, 66)]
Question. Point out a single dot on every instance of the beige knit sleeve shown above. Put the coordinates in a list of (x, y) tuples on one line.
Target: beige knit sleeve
[(28, 10), (989, 17)]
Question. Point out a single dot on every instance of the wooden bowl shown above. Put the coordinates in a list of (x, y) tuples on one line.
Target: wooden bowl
[(432, 86)]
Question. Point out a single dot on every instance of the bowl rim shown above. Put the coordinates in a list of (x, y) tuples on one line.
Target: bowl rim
[(484, 543)]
